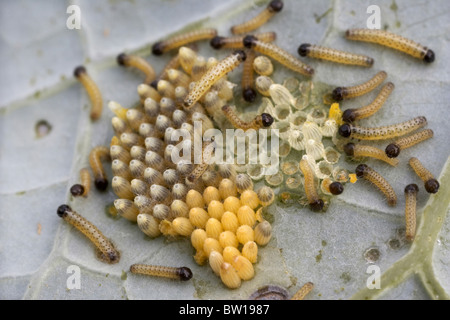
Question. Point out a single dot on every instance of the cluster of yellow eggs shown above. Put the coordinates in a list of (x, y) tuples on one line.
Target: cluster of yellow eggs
[(225, 225)]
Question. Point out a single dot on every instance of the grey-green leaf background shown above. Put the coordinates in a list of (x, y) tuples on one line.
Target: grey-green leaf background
[(38, 55)]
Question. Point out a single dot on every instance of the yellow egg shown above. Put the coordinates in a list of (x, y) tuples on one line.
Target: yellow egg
[(249, 198), (246, 215), (229, 253), (243, 267), (215, 261), (245, 233), (229, 276), (198, 237), (210, 194), (250, 251), (229, 221), (194, 199), (216, 209), (231, 204), (213, 228), (211, 245), (182, 226), (198, 217), (228, 239)]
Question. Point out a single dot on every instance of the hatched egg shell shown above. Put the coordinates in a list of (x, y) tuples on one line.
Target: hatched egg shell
[(281, 95), (255, 171), (282, 112), (311, 130), (331, 155), (314, 148), (275, 179), (297, 140), (317, 115), (323, 170), (297, 119), (329, 128)]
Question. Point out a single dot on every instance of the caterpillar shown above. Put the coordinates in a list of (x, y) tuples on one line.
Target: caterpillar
[(278, 54), (393, 149), (96, 156), (212, 76), (263, 120), (323, 53), (431, 184), (351, 115), (410, 210), (92, 90), (382, 133), (180, 40), (272, 8), (369, 174), (315, 203), (129, 60), (177, 273), (392, 40), (343, 93), (109, 253)]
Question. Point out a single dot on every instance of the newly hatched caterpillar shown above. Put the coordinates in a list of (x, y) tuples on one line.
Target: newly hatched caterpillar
[(272, 8), (343, 93), (278, 54), (382, 133), (301, 294), (96, 156), (92, 90), (212, 76), (207, 154), (263, 120), (431, 184), (410, 210), (359, 150), (315, 203), (219, 42), (366, 172), (392, 40), (129, 60), (177, 273), (247, 83), (108, 252), (329, 54), (393, 149), (178, 41), (82, 189), (351, 115)]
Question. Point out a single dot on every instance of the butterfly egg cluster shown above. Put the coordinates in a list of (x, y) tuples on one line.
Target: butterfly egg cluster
[(152, 188), (226, 227)]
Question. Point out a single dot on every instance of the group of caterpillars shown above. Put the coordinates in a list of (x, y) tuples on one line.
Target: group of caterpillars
[(390, 154), (163, 105)]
